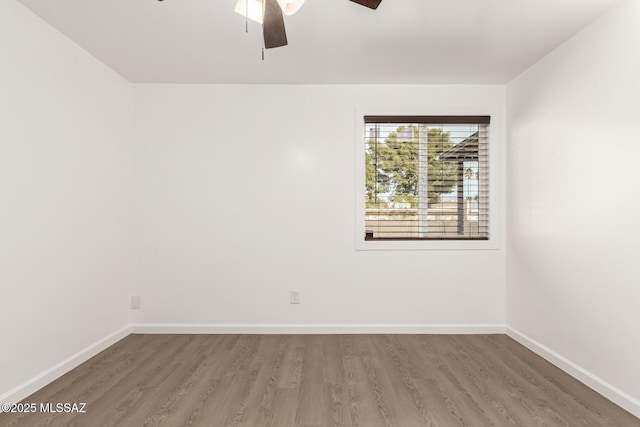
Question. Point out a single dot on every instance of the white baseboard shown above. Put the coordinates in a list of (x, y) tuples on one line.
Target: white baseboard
[(612, 393), (187, 328), (36, 383)]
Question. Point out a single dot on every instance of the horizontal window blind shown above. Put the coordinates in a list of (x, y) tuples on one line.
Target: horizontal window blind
[(427, 177)]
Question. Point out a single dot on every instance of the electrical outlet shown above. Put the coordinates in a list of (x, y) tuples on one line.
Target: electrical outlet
[(295, 296), (135, 302)]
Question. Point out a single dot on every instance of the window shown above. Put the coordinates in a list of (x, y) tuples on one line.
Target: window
[(427, 177)]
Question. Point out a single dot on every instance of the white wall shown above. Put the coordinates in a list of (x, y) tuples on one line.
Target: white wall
[(574, 205), (65, 198), (245, 192)]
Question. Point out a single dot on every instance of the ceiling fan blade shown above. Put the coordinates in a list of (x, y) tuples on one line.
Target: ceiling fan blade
[(371, 4), (273, 26)]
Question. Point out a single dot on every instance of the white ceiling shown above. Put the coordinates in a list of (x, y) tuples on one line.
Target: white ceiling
[(330, 41)]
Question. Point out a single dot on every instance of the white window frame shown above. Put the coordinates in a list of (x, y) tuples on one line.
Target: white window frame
[(496, 182)]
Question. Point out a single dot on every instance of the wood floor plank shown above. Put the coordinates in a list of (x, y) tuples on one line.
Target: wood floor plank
[(223, 397), (363, 409), (473, 407), (292, 362), (285, 409), (424, 384), (418, 407), (311, 398), (321, 381), (171, 407), (476, 385), (258, 401), (212, 361)]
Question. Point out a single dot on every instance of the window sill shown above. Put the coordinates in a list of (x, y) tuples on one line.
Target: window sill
[(426, 244), (422, 239)]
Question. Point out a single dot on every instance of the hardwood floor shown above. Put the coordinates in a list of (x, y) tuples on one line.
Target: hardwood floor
[(320, 380)]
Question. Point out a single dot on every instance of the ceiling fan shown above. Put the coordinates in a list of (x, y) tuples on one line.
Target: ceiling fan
[(270, 13), (273, 24)]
